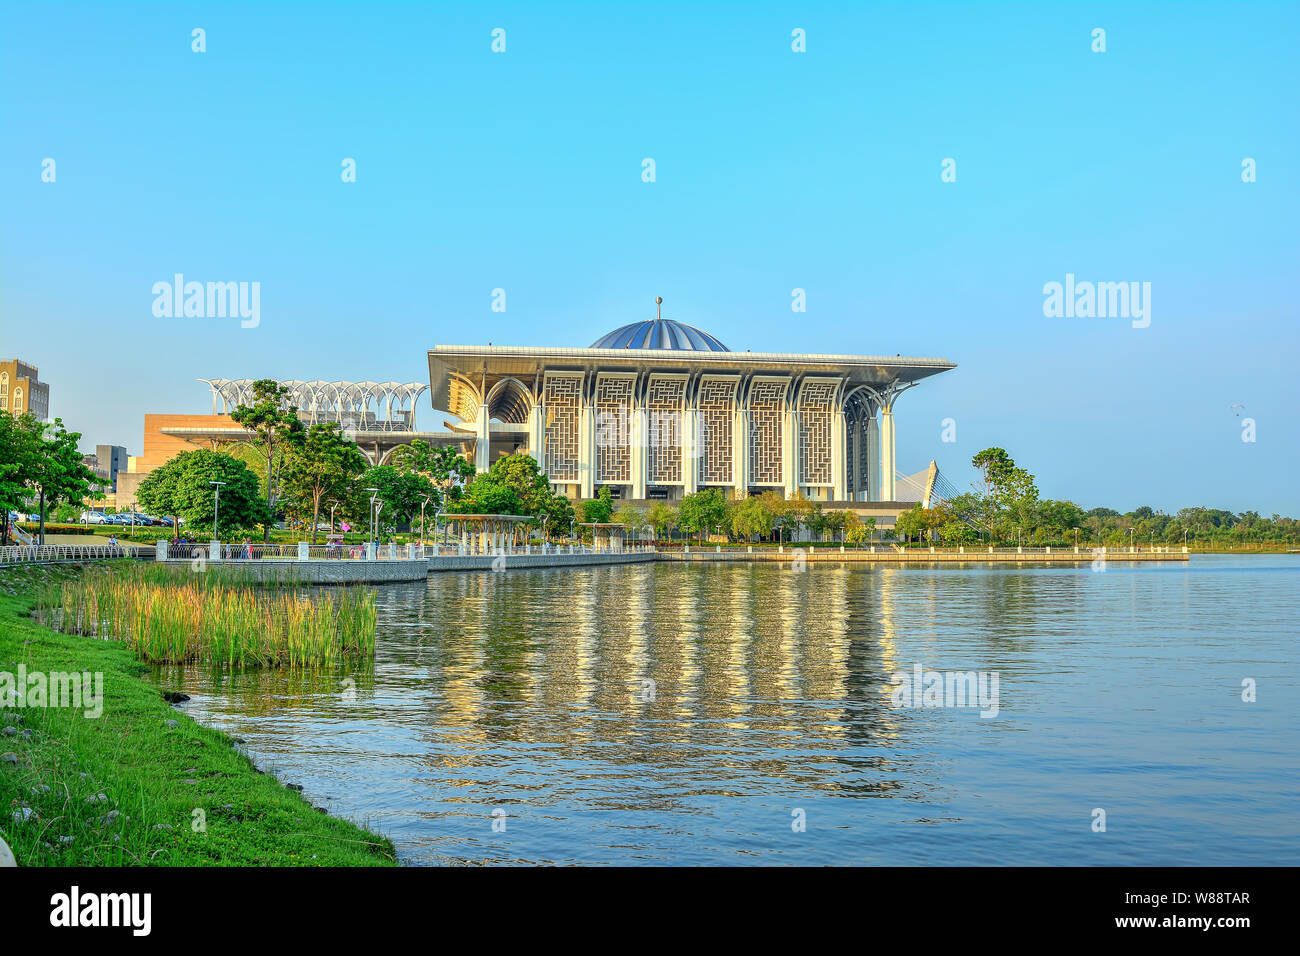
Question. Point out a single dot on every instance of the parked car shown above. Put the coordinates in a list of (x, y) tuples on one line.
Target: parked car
[(93, 517)]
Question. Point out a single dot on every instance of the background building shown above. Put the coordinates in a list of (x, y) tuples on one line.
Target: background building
[(107, 462), (378, 416), (21, 390)]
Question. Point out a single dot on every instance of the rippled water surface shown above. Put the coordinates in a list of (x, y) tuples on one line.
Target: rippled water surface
[(529, 692)]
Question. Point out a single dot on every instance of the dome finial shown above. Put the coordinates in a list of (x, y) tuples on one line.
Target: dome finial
[(659, 307)]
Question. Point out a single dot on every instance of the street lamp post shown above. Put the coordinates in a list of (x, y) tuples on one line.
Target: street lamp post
[(423, 532), (216, 504), (1076, 539), (216, 511), (373, 496), (1130, 540)]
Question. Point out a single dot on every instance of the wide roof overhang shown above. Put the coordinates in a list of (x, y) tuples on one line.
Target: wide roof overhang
[(525, 362)]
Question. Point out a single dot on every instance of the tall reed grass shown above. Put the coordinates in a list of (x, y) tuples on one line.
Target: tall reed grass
[(175, 616)]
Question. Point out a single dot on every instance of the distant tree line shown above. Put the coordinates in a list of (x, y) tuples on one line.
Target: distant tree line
[(1004, 508)]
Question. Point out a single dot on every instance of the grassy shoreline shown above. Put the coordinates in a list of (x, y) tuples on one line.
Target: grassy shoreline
[(126, 788)]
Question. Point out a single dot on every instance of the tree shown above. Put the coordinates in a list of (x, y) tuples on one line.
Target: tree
[(600, 509), (19, 449), (816, 520), (182, 487), (324, 465), (516, 485), (774, 504), (559, 516), (443, 465), (750, 518), (954, 532), (522, 475), (51, 465), (789, 513), (703, 511), (633, 519), (1008, 497), (277, 425), (911, 522), (663, 518), (856, 531), (402, 492)]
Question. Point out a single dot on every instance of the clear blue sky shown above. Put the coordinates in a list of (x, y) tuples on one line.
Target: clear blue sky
[(775, 170)]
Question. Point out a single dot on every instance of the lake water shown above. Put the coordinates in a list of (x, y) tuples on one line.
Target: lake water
[(745, 713)]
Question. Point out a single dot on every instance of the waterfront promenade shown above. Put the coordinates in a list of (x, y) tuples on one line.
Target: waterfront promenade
[(312, 564), (391, 563)]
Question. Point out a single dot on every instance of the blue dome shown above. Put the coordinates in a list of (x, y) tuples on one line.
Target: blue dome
[(660, 334)]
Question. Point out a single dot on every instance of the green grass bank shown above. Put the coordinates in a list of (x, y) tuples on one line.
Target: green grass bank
[(141, 784)]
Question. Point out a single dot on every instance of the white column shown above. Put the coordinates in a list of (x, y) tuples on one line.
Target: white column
[(887, 465), (690, 451), (740, 448), (789, 442), (482, 441), (587, 451), (535, 419), (639, 446), (871, 477), (850, 448), (839, 475)]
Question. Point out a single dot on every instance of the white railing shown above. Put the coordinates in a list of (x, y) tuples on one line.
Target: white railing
[(50, 553), (235, 552)]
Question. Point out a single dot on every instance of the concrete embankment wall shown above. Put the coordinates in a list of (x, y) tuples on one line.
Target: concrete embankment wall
[(381, 572), (323, 572), (881, 556), (518, 562)]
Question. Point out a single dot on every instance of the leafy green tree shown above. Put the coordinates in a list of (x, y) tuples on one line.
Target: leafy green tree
[(789, 514), (50, 465), (633, 519), (816, 520), (955, 532), (856, 530), (277, 426), (402, 492), (324, 466), (559, 516), (442, 465), (598, 510), (750, 518), (522, 475), (1008, 497), (516, 484), (663, 518), (703, 511), (182, 487), (483, 496), (784, 521), (19, 450), (912, 523)]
